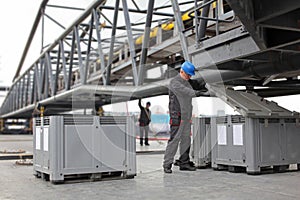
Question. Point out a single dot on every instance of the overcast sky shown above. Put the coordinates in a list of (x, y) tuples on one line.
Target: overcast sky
[(16, 19)]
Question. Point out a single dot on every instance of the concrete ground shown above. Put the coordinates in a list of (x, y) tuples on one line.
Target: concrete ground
[(18, 182)]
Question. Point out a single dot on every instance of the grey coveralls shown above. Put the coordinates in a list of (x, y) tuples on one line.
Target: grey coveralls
[(181, 93)]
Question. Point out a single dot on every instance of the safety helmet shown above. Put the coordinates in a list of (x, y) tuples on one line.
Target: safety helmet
[(188, 68)]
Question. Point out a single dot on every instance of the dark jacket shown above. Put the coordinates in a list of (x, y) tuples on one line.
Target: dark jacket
[(181, 93), (145, 116)]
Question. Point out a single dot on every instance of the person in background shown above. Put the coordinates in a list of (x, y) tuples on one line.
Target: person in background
[(144, 121), (181, 91)]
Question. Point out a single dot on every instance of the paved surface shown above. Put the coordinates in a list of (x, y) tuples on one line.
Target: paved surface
[(17, 182), (15, 143)]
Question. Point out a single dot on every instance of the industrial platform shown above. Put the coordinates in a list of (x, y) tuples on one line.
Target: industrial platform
[(18, 182)]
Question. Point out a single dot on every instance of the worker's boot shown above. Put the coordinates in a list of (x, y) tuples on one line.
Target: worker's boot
[(141, 141), (146, 142), (187, 167), (168, 169), (178, 163)]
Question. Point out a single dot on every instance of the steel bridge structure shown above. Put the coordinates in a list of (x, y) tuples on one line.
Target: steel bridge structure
[(126, 49)]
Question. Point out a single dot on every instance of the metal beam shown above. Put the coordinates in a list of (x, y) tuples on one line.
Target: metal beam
[(169, 6), (99, 50), (179, 23), (57, 71), (245, 11), (68, 86), (137, 11), (134, 3), (63, 59), (31, 35), (130, 42), (56, 22), (112, 43), (65, 7), (145, 44), (288, 21), (203, 22), (268, 9), (48, 67), (87, 59), (80, 60)]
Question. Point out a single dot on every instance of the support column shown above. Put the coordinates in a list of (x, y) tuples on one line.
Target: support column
[(180, 26), (145, 44)]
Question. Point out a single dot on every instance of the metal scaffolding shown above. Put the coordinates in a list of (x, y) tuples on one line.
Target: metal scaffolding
[(124, 50)]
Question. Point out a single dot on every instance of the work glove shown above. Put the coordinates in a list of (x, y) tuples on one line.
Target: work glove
[(206, 94), (199, 93), (210, 91)]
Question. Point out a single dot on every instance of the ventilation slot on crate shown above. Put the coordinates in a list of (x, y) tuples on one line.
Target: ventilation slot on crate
[(78, 121), (290, 120), (222, 120), (38, 122), (238, 119), (270, 120), (46, 121), (207, 120), (113, 120)]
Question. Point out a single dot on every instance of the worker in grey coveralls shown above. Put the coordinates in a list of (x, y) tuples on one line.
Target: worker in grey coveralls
[(181, 91), (144, 121)]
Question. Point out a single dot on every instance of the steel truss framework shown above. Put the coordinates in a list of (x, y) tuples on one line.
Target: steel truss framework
[(250, 43)]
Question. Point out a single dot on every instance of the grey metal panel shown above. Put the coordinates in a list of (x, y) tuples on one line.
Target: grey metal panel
[(292, 141), (266, 9), (214, 145), (246, 13), (45, 146), (225, 47), (201, 131), (249, 104), (37, 156), (56, 140), (78, 147), (111, 145), (270, 142), (252, 145), (237, 151), (228, 151), (130, 146)]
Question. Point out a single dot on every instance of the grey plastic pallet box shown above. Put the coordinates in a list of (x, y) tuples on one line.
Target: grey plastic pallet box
[(67, 146), (264, 135), (255, 143)]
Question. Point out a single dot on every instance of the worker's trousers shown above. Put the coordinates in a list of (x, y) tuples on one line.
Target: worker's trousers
[(144, 129), (179, 135)]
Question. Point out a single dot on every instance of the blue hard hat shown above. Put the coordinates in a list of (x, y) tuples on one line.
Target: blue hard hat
[(188, 68)]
